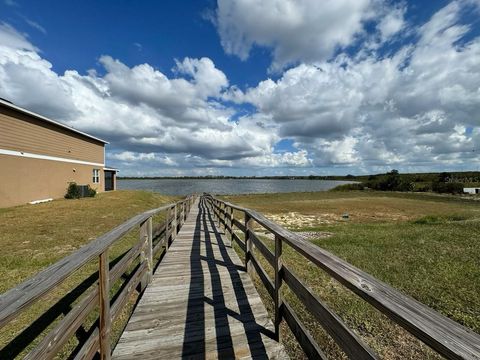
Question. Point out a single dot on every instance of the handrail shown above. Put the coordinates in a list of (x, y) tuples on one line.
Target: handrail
[(442, 334), (19, 298)]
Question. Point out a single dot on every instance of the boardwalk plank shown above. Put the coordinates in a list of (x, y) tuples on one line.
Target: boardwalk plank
[(201, 304)]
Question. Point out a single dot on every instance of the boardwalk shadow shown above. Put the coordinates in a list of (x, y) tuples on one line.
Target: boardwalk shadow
[(215, 259)]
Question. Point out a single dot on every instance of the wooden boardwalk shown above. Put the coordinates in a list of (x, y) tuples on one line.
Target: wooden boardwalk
[(201, 304)]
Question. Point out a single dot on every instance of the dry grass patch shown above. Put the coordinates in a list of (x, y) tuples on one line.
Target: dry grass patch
[(423, 245), (36, 236), (319, 208)]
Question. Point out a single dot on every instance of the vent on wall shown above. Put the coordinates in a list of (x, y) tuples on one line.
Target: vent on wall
[(83, 190)]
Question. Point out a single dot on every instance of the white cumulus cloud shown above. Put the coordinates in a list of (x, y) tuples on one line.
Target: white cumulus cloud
[(296, 30)]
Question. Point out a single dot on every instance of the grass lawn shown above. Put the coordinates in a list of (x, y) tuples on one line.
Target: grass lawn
[(33, 237), (422, 244)]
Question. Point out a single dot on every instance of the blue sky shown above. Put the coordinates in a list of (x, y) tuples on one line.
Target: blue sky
[(254, 88), (76, 34)]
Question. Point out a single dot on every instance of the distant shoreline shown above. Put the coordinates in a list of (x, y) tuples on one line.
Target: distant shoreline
[(340, 178), (429, 176), (183, 186)]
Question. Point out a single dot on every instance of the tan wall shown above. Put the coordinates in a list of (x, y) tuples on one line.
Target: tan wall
[(21, 132), (24, 179)]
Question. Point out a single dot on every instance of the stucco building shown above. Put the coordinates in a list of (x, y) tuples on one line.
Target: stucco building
[(39, 157), (471, 190)]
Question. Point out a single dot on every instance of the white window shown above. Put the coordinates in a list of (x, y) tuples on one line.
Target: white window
[(96, 176)]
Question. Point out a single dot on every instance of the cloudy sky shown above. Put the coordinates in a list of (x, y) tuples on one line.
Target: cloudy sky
[(249, 87)]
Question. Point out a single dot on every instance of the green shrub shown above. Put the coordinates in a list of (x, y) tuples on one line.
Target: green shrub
[(447, 187), (434, 219), (457, 217), (91, 192), (427, 220), (348, 187), (423, 187), (73, 191)]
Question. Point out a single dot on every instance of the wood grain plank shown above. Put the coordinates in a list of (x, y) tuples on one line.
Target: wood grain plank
[(238, 224), (200, 303), (444, 335), (308, 344), (105, 319), (264, 250), (351, 343), (262, 274), (22, 296)]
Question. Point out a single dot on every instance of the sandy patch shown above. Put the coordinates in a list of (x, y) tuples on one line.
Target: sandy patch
[(297, 220), (305, 235), (64, 249)]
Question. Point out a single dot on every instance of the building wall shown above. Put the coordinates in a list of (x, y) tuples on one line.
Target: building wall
[(471, 190), (21, 132), (24, 179), (39, 159)]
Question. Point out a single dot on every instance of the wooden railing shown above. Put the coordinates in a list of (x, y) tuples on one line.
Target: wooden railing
[(442, 334), (152, 241)]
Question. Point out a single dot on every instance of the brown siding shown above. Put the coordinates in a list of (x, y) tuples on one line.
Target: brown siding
[(21, 132), (23, 180)]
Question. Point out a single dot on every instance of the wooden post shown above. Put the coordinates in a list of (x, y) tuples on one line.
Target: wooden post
[(278, 283), (225, 225), (181, 214), (147, 252), (175, 227), (248, 242), (226, 219), (222, 216), (167, 228), (104, 297), (231, 226)]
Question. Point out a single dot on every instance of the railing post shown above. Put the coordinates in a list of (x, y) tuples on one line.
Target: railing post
[(147, 252), (231, 226), (248, 242), (104, 299), (219, 214), (225, 225), (167, 228), (228, 224), (222, 216), (175, 229), (278, 283), (180, 214)]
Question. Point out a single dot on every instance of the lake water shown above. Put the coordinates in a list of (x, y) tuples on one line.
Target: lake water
[(227, 186)]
